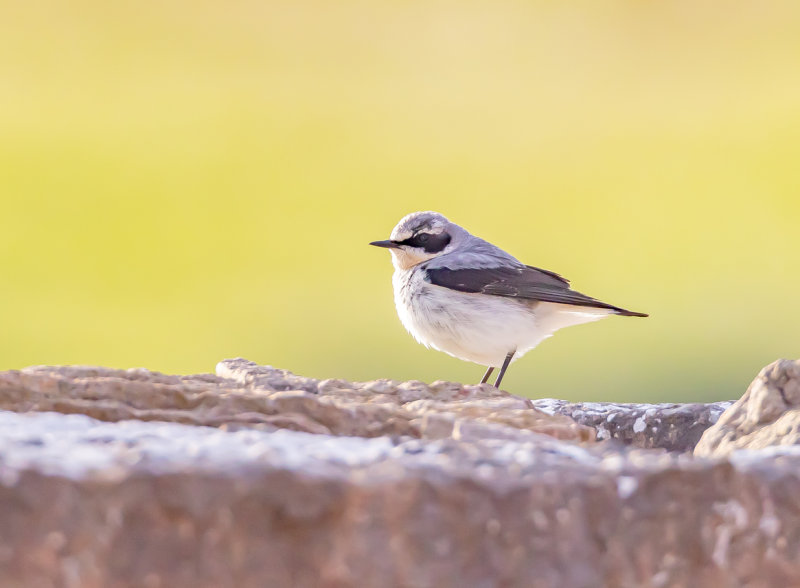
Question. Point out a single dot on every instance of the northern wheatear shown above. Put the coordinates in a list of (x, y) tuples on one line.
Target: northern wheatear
[(464, 296)]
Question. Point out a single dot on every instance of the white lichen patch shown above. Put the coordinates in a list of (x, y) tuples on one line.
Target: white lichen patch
[(77, 446), (549, 405), (734, 520), (626, 485)]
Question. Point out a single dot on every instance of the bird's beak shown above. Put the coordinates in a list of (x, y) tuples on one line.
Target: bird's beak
[(387, 244)]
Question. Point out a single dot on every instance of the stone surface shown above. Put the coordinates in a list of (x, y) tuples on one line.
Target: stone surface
[(244, 394), (93, 504), (258, 477), (674, 427), (767, 415)]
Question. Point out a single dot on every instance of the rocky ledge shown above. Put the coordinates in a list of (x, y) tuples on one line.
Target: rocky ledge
[(258, 477)]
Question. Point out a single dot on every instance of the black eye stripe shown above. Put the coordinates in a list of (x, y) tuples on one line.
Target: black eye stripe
[(429, 242)]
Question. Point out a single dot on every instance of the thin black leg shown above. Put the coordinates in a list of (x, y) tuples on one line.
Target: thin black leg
[(487, 374), (504, 368)]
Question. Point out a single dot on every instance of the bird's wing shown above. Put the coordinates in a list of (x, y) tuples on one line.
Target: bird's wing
[(548, 273), (524, 282)]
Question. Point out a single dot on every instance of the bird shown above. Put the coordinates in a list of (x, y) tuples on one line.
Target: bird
[(459, 294)]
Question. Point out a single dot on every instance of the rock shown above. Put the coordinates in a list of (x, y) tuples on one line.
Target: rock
[(674, 427), (259, 477), (767, 415), (246, 395), (97, 504)]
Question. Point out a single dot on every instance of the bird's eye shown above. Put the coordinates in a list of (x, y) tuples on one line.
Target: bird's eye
[(429, 242)]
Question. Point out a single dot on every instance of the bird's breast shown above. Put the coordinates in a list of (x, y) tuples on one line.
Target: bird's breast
[(474, 327), (420, 306)]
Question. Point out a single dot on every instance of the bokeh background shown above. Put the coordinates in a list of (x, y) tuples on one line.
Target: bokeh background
[(183, 182)]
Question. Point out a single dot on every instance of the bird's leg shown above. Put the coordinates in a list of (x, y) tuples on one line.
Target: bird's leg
[(503, 369), (487, 374)]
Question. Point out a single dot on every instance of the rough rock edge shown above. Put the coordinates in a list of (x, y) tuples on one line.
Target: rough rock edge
[(247, 395), (674, 427), (767, 415)]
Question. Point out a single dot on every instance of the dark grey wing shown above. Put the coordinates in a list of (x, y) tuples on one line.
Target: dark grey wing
[(561, 279), (528, 283)]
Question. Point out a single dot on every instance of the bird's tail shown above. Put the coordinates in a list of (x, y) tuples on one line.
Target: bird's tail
[(623, 312)]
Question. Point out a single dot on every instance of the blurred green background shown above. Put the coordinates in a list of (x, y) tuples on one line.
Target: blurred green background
[(184, 182)]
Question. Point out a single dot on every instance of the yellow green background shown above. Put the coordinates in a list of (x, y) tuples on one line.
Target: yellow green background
[(183, 182)]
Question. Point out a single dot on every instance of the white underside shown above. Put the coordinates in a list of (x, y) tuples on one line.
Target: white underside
[(477, 327)]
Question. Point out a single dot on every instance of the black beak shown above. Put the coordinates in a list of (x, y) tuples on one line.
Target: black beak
[(387, 244)]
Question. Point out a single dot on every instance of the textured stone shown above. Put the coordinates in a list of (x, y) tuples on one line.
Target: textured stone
[(246, 395), (674, 427), (92, 504), (301, 482), (767, 415)]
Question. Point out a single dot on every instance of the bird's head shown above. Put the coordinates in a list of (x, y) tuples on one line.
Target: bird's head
[(418, 237)]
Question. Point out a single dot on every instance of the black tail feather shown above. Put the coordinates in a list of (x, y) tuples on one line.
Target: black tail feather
[(623, 312)]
